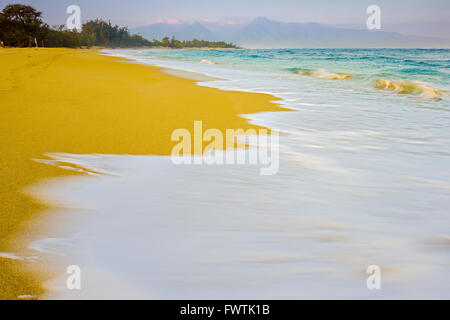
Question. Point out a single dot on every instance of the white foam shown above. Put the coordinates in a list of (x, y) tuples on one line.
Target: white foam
[(205, 61), (180, 232), (13, 256), (26, 296)]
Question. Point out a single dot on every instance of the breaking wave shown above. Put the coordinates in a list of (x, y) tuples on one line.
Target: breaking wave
[(324, 74), (417, 88), (204, 61)]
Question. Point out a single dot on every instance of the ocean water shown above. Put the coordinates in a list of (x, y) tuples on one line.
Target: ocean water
[(420, 68), (364, 179)]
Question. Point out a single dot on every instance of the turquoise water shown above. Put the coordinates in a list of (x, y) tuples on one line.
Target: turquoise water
[(425, 65)]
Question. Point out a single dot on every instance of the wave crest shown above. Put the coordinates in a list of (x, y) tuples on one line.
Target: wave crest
[(417, 88), (324, 74), (205, 61)]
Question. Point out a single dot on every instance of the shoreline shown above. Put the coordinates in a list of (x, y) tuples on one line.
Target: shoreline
[(163, 232), (189, 75), (82, 102)]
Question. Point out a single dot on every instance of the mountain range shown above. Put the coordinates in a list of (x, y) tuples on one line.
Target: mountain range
[(266, 33)]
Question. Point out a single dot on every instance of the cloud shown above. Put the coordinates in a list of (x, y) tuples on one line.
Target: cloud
[(168, 21)]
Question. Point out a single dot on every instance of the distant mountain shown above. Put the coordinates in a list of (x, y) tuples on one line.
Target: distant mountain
[(265, 33), (158, 30), (196, 30), (179, 31)]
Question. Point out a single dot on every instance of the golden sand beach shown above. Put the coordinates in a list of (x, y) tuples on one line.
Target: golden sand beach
[(82, 102)]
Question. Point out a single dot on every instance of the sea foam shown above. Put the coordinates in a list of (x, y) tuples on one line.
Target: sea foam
[(205, 61)]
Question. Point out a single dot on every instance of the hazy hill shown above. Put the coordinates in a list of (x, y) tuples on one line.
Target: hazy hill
[(179, 31), (265, 33)]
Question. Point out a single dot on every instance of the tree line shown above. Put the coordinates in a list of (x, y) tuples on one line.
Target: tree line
[(22, 26), (177, 44)]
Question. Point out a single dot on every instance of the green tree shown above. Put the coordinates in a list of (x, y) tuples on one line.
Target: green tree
[(165, 42), (21, 24)]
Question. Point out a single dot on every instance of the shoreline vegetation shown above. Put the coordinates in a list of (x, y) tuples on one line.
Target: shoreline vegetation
[(23, 26), (82, 102)]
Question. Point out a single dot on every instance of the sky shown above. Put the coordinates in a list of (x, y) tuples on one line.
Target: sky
[(421, 17)]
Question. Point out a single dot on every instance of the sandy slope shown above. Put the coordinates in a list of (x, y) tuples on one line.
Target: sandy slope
[(78, 101)]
